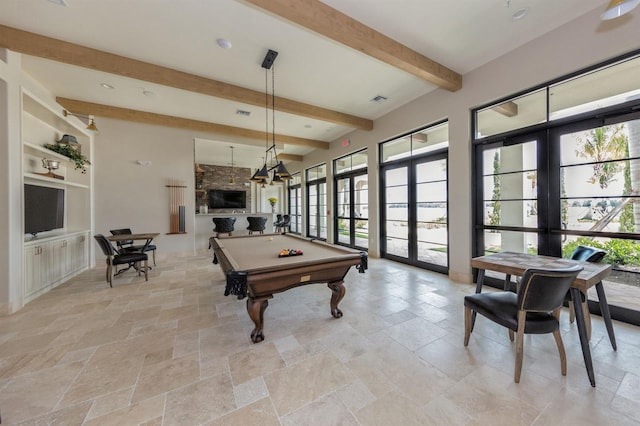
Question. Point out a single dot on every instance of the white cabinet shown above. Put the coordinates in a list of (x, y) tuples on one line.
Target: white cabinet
[(52, 261), (37, 271)]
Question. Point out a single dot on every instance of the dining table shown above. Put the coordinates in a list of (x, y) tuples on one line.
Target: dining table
[(592, 274)]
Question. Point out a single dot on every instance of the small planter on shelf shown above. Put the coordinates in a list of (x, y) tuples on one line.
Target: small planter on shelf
[(70, 149)]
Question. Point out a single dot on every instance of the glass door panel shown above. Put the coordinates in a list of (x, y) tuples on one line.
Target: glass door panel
[(600, 184), (431, 212), (396, 225)]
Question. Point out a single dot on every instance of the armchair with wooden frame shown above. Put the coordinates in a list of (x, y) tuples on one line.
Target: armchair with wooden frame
[(534, 309)]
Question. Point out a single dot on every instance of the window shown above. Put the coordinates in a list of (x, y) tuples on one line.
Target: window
[(317, 202), (295, 203), (351, 213), (571, 179), (414, 198)]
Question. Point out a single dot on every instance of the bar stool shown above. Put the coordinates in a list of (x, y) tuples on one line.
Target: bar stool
[(256, 224), (224, 225)]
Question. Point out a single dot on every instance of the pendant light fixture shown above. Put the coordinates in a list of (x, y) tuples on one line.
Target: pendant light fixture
[(617, 8), (271, 155)]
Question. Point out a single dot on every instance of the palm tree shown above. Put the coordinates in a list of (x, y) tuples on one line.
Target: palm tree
[(604, 145), (633, 128)]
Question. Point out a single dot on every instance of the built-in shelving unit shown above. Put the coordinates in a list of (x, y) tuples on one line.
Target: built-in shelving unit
[(55, 256)]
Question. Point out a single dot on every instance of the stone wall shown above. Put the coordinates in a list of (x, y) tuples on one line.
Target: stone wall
[(217, 177)]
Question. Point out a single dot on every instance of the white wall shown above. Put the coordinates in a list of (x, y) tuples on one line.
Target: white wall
[(128, 195), (583, 42)]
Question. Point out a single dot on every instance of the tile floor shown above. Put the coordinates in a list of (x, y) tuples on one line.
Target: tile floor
[(176, 351)]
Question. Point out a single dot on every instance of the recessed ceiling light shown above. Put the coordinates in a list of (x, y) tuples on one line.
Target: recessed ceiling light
[(59, 2), (307, 126), (520, 13), (148, 93), (225, 44), (378, 99), (243, 112), (107, 86)]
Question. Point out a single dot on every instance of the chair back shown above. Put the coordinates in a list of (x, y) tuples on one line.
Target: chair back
[(543, 290), (588, 254), (256, 223), (105, 245), (286, 220), (278, 218), (224, 224), (122, 231)]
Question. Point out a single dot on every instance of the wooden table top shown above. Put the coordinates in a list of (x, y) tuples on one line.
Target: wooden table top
[(124, 237), (516, 263)]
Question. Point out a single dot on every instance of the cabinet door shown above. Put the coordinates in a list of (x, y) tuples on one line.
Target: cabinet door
[(37, 271), (59, 260), (78, 252)]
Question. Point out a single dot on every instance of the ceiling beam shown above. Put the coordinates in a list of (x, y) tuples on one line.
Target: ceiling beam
[(82, 107), (74, 54), (329, 22), (508, 109), (290, 157)]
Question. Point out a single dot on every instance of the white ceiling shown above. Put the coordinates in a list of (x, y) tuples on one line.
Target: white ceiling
[(461, 35)]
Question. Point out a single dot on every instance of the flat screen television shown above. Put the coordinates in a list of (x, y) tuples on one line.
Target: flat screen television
[(227, 199), (43, 209)]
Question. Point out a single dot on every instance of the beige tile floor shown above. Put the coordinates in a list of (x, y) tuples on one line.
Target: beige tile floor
[(175, 351)]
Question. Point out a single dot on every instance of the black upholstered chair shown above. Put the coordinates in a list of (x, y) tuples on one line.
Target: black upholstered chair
[(278, 219), (591, 254), (256, 224), (534, 309), (127, 246), (116, 258), (224, 225), (283, 225)]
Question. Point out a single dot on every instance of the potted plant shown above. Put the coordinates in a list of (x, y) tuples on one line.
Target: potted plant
[(72, 153)]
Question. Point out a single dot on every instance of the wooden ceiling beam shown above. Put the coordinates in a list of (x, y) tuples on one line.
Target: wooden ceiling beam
[(290, 157), (89, 108), (322, 19), (61, 51), (508, 109)]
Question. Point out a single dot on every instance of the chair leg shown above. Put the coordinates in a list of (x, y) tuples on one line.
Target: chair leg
[(138, 267), (560, 345), (154, 257), (511, 335), (522, 317), (587, 316), (110, 274), (467, 324), (572, 313), (146, 268)]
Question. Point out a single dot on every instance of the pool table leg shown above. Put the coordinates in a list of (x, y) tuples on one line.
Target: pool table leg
[(256, 308), (337, 293)]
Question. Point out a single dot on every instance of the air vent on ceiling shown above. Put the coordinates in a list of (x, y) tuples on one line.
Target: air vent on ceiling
[(242, 112), (378, 99)]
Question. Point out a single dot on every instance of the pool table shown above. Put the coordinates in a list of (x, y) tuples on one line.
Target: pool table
[(255, 270)]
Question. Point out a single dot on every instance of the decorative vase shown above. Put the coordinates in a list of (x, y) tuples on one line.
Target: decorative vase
[(273, 208)]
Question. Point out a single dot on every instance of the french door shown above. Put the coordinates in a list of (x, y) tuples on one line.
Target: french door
[(352, 210), (415, 212)]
